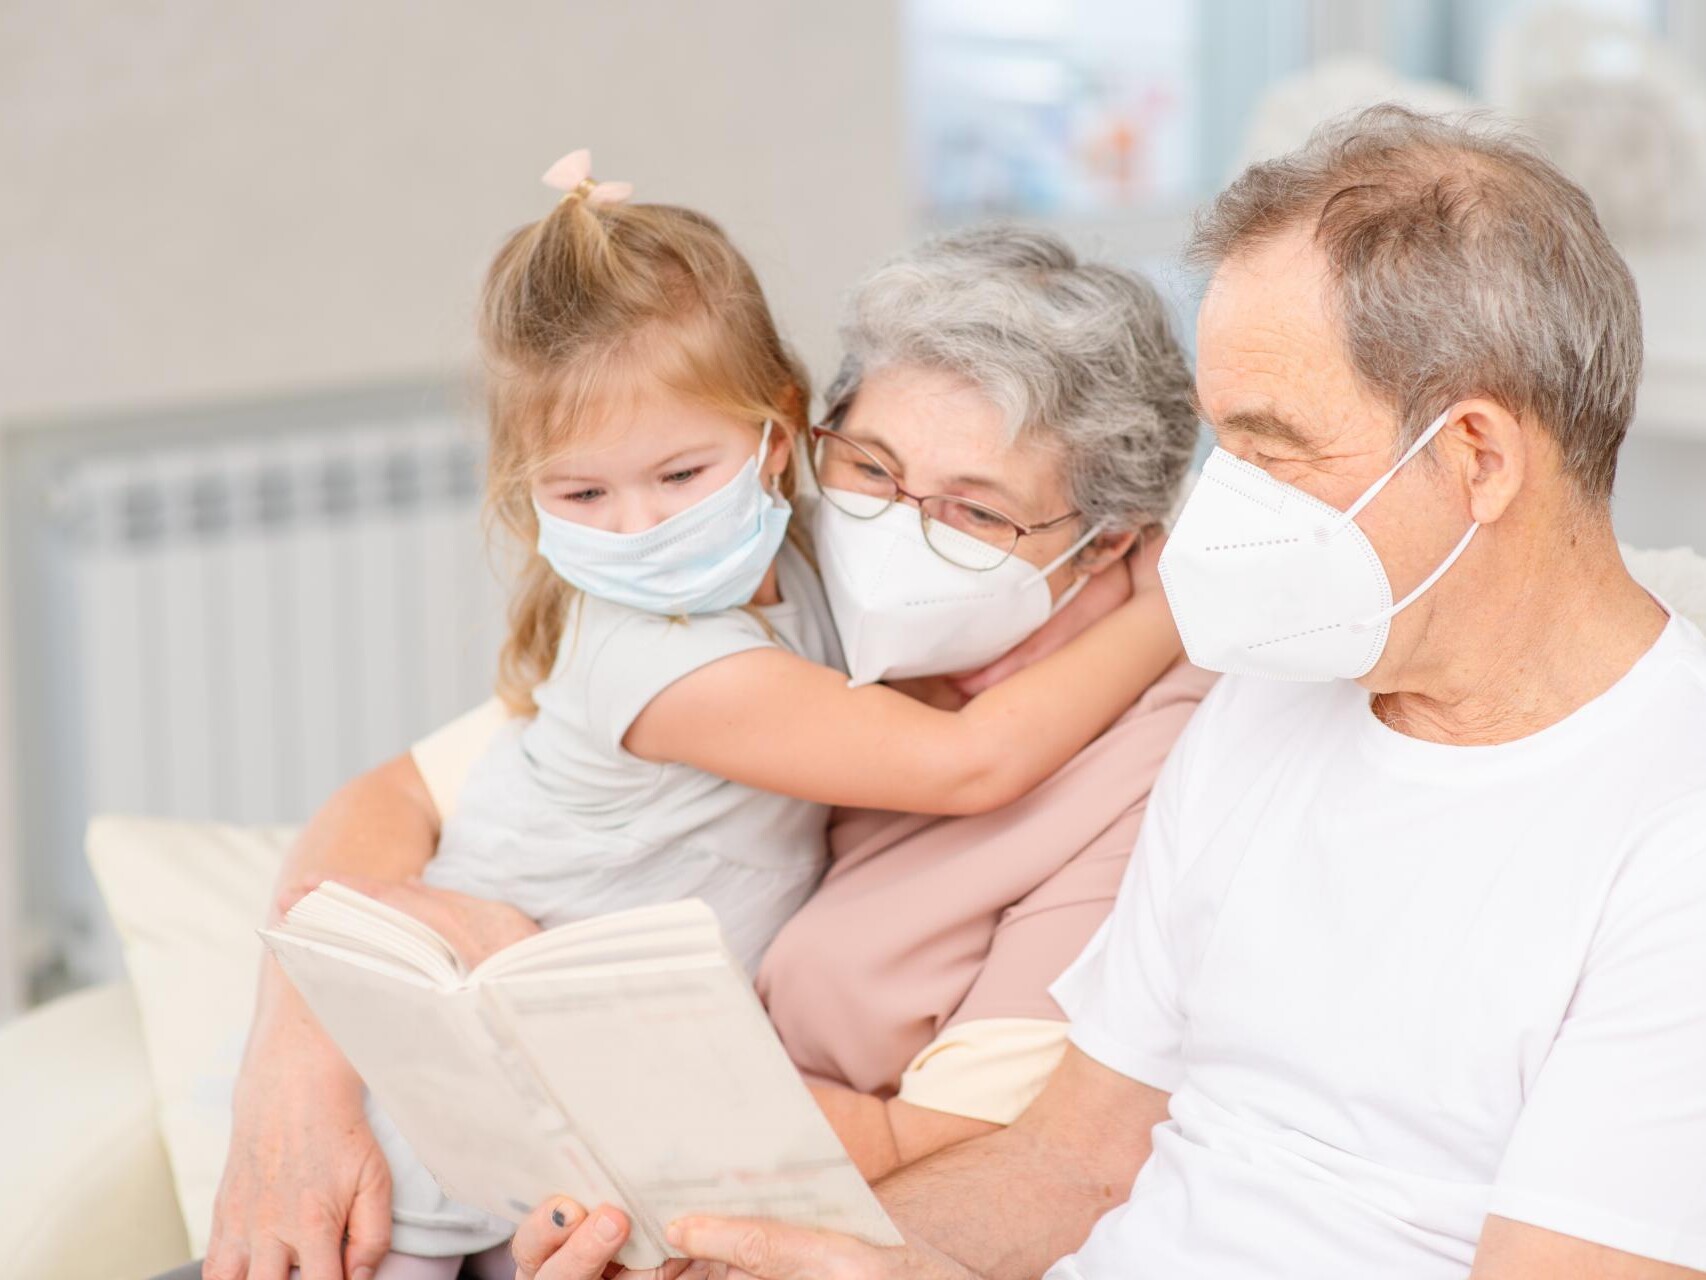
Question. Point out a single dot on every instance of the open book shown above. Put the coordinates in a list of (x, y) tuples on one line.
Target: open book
[(622, 1059)]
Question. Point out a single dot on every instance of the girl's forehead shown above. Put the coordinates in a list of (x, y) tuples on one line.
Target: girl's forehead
[(637, 430)]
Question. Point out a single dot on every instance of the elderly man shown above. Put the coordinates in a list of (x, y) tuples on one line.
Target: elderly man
[(1408, 977)]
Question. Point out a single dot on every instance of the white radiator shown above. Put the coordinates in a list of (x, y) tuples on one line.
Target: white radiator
[(228, 628)]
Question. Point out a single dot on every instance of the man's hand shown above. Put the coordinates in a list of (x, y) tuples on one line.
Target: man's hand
[(474, 927), (559, 1241), (762, 1249), (303, 1170)]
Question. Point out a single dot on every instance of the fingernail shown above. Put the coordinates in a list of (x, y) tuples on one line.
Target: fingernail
[(607, 1228), (566, 1213), (362, 1273)]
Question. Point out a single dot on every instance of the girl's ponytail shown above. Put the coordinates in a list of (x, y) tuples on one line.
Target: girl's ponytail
[(594, 284)]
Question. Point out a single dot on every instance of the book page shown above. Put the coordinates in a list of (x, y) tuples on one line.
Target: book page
[(472, 1111), (671, 1071)]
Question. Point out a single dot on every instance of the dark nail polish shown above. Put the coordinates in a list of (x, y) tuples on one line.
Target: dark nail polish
[(558, 1218)]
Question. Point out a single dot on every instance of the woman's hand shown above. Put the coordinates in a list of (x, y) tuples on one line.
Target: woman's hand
[(558, 1241), (303, 1171), (474, 927)]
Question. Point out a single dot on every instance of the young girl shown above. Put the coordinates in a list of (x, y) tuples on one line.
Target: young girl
[(685, 725)]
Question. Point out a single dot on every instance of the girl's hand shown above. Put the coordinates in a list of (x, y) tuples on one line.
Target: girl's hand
[(1101, 595), (474, 927), (1144, 561)]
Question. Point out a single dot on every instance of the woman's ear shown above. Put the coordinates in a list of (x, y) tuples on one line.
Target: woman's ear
[(1103, 550)]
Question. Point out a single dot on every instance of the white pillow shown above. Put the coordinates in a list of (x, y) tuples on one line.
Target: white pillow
[(1677, 576), (187, 898)]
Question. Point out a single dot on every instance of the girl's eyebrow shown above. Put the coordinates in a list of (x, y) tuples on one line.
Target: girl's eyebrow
[(568, 473), (688, 452)]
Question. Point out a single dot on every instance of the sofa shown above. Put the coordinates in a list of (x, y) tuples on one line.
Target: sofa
[(87, 1191)]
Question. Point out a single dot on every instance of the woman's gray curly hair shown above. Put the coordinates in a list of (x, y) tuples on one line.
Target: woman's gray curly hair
[(1079, 356)]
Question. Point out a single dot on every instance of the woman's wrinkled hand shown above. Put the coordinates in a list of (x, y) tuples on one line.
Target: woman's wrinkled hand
[(474, 927), (305, 1183)]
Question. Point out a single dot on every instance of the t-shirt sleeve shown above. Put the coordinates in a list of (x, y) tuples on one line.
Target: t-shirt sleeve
[(643, 654), (1121, 992), (1610, 1145), (445, 755), (987, 1069)]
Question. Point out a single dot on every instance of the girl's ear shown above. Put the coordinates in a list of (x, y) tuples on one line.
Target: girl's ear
[(1103, 550), (781, 450)]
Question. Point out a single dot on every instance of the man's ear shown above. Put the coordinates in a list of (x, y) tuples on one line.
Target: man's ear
[(1493, 449), (1103, 550)]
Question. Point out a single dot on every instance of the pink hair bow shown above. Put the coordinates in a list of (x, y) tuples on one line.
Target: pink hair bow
[(572, 175)]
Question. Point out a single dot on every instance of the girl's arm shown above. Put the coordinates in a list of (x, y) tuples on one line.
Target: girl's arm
[(881, 1136), (772, 720)]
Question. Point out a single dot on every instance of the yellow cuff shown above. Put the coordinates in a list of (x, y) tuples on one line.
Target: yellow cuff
[(987, 1069), (445, 755)]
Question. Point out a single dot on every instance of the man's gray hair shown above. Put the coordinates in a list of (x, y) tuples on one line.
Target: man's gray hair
[(1461, 263), (1078, 356)]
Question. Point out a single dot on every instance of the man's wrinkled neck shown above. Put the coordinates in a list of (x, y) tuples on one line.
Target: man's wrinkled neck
[(1546, 624)]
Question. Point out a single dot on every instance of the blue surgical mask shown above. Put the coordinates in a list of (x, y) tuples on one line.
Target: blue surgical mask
[(710, 557)]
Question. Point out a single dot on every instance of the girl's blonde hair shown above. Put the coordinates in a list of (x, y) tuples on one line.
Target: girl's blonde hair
[(576, 309)]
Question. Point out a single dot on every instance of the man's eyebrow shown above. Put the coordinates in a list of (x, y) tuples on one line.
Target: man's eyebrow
[(1270, 426)]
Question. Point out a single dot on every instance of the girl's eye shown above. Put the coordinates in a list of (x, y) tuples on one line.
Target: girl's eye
[(682, 477), (584, 495)]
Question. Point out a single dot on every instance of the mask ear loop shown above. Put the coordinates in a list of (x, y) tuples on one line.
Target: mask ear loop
[(764, 456), (1369, 494), (1392, 611), (1407, 601), (1066, 555)]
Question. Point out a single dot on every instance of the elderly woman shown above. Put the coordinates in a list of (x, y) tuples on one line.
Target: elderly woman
[(912, 990)]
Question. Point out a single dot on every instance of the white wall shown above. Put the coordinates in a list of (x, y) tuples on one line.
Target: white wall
[(206, 198), (203, 200)]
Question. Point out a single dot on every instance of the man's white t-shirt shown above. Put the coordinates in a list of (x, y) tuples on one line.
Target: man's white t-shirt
[(1394, 986)]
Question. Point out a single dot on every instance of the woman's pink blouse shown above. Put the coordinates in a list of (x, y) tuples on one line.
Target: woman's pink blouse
[(925, 922)]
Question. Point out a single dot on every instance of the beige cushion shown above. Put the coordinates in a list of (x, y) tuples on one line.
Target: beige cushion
[(187, 899)]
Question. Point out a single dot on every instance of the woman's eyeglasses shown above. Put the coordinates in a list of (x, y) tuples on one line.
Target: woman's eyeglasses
[(961, 531)]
